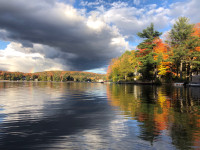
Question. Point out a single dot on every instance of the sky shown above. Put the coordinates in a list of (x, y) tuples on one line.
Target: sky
[(80, 35)]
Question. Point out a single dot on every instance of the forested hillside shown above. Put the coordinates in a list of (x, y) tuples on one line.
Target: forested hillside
[(53, 76)]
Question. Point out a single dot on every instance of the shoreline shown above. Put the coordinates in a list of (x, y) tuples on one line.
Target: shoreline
[(176, 84), (49, 81)]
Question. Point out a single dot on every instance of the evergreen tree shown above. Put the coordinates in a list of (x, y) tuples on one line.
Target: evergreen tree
[(146, 53), (183, 44), (181, 32)]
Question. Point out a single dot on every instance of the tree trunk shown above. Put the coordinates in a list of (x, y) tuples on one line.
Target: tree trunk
[(177, 70), (181, 69), (188, 71)]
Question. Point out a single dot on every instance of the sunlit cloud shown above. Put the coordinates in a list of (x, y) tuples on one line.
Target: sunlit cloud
[(85, 37), (17, 58)]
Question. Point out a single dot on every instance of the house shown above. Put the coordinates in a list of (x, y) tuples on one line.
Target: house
[(100, 80), (196, 79)]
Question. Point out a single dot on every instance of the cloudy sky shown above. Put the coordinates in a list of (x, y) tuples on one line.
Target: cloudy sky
[(80, 35)]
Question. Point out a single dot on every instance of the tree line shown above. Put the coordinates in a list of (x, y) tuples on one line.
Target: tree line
[(53, 76), (176, 59)]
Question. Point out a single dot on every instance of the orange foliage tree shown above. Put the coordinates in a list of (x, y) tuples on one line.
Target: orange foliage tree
[(163, 52)]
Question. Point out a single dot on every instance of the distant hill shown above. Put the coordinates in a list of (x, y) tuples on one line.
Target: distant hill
[(53, 76)]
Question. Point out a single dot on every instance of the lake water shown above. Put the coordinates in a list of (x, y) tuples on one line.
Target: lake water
[(45, 115)]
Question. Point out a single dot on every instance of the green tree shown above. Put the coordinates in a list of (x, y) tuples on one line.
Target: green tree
[(125, 66), (180, 41), (69, 78), (146, 52), (28, 77), (56, 76), (43, 76), (148, 67), (181, 32)]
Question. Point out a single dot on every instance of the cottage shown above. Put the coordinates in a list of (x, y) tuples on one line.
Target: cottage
[(101, 80), (196, 79)]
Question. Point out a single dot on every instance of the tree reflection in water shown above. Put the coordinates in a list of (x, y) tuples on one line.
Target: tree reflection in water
[(162, 111)]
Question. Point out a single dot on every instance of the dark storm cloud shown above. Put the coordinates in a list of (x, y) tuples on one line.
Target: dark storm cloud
[(45, 22)]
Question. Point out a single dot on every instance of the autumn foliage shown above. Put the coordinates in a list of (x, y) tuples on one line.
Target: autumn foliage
[(179, 57), (52, 76)]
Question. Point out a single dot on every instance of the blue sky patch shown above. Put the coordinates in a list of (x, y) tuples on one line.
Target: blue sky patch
[(3, 44)]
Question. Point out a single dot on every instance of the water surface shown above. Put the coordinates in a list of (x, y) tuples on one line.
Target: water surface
[(47, 115)]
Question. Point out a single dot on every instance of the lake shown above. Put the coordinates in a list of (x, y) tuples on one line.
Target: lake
[(47, 115)]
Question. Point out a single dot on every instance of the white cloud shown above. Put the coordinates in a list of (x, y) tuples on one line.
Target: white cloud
[(92, 4), (136, 2), (131, 20), (71, 38), (18, 58), (68, 1), (165, 36), (96, 23), (189, 8), (66, 34)]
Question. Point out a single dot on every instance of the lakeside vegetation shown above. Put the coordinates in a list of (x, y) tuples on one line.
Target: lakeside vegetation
[(154, 60), (176, 59), (53, 76)]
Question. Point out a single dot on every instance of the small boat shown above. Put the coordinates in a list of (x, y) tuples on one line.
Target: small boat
[(178, 84)]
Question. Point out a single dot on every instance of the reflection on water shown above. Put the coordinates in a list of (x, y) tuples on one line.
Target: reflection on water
[(46, 115), (164, 113)]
